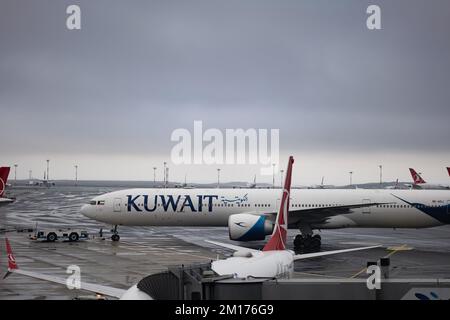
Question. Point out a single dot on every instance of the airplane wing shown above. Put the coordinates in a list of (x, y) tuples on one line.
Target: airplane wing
[(95, 288), (321, 214), (232, 246), (327, 253)]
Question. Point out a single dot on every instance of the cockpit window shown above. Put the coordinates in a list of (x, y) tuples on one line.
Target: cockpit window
[(101, 202), (93, 203)]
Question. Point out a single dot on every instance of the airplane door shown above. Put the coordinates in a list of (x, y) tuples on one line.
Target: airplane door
[(366, 210), (117, 204)]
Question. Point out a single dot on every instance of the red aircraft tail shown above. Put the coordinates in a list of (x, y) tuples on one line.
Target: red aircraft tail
[(4, 173), (448, 170), (12, 265), (278, 239), (416, 177)]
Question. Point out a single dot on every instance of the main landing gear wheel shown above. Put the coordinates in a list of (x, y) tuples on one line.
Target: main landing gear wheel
[(115, 237), (307, 243)]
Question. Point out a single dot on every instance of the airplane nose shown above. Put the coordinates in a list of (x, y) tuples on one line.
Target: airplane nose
[(85, 211)]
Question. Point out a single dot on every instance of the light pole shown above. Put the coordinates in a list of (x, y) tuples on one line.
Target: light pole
[(281, 181), (164, 173), (76, 174), (48, 170), (218, 177), (273, 175), (154, 176), (15, 172), (167, 176), (381, 174), (351, 173)]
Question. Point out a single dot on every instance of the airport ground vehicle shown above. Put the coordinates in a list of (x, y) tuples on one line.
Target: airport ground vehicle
[(52, 235)]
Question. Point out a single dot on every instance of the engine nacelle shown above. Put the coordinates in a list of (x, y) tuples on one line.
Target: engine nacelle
[(248, 227)]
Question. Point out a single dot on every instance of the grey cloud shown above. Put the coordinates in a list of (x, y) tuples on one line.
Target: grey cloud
[(139, 69)]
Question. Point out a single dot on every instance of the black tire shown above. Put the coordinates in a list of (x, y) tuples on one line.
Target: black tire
[(299, 241), (51, 237), (73, 237), (115, 237), (315, 244)]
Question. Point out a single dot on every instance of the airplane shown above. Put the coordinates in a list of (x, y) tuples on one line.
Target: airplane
[(4, 173), (321, 185), (419, 183), (448, 170), (274, 261), (249, 214), (252, 185)]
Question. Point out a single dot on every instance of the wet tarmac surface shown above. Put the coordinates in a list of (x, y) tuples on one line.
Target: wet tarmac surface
[(423, 253)]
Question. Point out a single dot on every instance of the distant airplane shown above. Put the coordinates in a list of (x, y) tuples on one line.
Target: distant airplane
[(448, 170), (419, 183), (184, 185), (4, 173), (395, 186), (321, 186), (252, 185)]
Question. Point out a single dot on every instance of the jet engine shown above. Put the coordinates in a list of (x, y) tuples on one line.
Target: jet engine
[(248, 227)]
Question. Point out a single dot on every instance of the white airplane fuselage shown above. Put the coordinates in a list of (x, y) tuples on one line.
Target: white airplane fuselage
[(263, 264), (212, 207)]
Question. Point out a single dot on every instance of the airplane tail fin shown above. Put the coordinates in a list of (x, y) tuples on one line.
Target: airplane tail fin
[(448, 170), (416, 177), (12, 264), (278, 239), (4, 173)]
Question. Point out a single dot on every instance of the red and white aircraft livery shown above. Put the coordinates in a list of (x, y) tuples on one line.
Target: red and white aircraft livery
[(4, 173), (419, 183), (274, 261)]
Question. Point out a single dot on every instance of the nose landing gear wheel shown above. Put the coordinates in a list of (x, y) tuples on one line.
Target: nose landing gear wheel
[(115, 237)]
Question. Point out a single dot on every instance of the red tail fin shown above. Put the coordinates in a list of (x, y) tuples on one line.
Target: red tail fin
[(4, 173), (278, 239), (416, 177), (448, 170), (12, 265)]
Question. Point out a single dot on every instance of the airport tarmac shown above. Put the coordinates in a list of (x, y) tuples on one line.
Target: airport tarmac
[(418, 254)]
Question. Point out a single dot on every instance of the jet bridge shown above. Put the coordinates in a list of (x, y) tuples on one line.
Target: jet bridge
[(199, 282)]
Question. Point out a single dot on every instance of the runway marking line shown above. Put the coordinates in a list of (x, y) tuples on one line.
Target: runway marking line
[(403, 247)]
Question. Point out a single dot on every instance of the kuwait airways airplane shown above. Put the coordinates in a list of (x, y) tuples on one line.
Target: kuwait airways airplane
[(274, 261), (250, 213)]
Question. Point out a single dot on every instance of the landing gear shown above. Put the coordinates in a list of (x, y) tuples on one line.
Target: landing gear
[(115, 237), (307, 241)]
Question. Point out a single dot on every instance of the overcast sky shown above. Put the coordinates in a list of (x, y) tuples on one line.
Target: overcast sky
[(108, 96)]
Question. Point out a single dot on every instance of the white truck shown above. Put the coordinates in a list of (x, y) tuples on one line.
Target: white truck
[(68, 234)]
